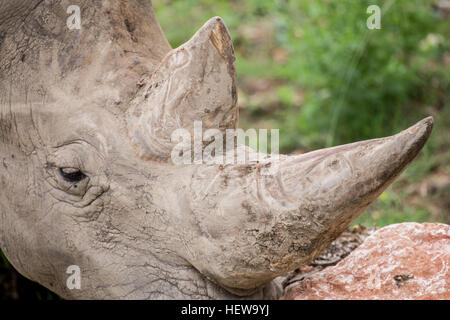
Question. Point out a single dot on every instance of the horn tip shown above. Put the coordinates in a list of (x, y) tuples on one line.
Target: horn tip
[(214, 21), (216, 32), (423, 128), (217, 26)]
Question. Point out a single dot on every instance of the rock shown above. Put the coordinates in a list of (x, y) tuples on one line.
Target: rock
[(400, 261)]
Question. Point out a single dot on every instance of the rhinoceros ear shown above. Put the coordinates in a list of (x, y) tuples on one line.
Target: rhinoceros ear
[(195, 82)]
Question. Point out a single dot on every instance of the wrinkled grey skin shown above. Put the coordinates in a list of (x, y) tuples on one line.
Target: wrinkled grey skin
[(103, 101)]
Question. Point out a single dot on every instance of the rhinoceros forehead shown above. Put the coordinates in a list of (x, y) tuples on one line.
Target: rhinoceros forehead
[(58, 124)]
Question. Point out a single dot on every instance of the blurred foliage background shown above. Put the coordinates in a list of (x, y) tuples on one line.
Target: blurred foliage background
[(313, 69)]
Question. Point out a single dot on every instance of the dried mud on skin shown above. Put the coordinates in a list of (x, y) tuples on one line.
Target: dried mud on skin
[(340, 248)]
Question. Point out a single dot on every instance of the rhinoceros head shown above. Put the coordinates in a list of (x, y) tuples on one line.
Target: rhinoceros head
[(86, 176)]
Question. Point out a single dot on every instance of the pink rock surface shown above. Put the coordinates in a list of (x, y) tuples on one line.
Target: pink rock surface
[(400, 261)]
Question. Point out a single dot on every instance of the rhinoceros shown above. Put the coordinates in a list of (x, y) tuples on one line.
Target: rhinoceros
[(86, 177)]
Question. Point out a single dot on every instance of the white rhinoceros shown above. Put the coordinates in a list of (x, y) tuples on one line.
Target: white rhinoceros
[(86, 177)]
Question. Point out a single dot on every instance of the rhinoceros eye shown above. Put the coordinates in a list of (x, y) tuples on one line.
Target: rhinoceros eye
[(72, 174)]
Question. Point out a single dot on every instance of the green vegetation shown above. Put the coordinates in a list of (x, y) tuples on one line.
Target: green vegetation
[(391, 208)]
